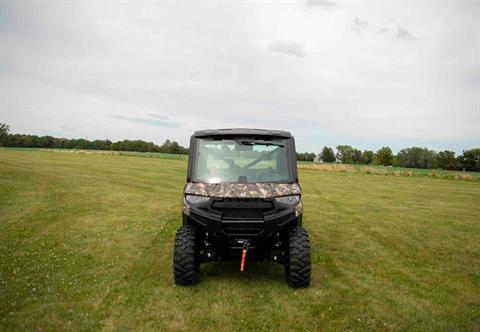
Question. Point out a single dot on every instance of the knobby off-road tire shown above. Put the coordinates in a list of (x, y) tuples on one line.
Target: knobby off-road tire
[(185, 258), (298, 267)]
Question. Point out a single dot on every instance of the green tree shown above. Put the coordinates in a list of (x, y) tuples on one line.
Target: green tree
[(416, 157), (25, 141), (356, 156), (345, 154), (367, 157), (118, 146), (59, 143), (45, 142), (470, 160), (445, 160), (384, 156), (327, 155), (305, 156), (99, 145), (4, 129)]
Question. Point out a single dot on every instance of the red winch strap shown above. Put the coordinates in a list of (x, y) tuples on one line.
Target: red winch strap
[(242, 262)]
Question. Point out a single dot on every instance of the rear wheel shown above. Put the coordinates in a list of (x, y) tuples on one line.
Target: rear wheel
[(185, 256), (298, 267)]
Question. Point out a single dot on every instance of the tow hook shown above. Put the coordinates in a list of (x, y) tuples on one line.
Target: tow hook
[(244, 255)]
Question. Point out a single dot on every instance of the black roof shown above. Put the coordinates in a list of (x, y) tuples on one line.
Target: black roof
[(242, 132)]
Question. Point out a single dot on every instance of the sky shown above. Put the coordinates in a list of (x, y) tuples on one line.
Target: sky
[(367, 74)]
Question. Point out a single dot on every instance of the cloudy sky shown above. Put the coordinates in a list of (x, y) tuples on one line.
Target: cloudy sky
[(362, 73)]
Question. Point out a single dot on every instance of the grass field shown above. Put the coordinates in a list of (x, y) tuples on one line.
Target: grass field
[(86, 243)]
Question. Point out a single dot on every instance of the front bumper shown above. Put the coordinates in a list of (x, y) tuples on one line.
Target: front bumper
[(231, 222)]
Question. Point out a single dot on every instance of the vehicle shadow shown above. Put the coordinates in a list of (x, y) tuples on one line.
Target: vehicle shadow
[(255, 271)]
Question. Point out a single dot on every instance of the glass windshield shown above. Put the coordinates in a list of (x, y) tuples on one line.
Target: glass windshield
[(241, 160)]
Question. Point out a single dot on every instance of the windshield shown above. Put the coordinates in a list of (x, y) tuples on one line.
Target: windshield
[(241, 160)]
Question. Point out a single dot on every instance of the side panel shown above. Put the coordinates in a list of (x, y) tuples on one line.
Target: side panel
[(293, 158), (191, 158)]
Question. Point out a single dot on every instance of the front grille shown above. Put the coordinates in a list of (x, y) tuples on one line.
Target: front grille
[(245, 204), (242, 228), (248, 208)]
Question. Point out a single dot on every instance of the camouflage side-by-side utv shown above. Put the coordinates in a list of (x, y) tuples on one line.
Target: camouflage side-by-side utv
[(242, 200)]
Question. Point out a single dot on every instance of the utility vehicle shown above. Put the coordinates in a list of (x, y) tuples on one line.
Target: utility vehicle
[(242, 200)]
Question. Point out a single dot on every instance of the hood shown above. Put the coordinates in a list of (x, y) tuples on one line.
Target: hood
[(242, 190)]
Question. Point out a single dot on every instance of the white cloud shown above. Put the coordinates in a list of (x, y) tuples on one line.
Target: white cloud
[(324, 4), (404, 35), (359, 25), (147, 120), (288, 48)]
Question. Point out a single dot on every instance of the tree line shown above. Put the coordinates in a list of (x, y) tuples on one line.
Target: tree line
[(413, 157), (34, 141)]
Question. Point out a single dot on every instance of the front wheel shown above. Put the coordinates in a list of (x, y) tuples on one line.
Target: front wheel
[(185, 256), (298, 267)]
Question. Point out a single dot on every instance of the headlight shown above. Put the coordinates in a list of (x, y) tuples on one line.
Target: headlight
[(290, 200), (194, 199)]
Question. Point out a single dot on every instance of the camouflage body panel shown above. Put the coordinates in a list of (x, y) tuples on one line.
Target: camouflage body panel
[(242, 190)]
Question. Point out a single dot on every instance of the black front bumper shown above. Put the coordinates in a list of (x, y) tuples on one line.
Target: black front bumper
[(233, 221)]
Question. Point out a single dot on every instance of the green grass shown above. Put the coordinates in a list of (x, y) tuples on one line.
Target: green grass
[(86, 243)]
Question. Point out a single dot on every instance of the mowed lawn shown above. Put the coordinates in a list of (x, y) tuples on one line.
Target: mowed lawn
[(86, 243)]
